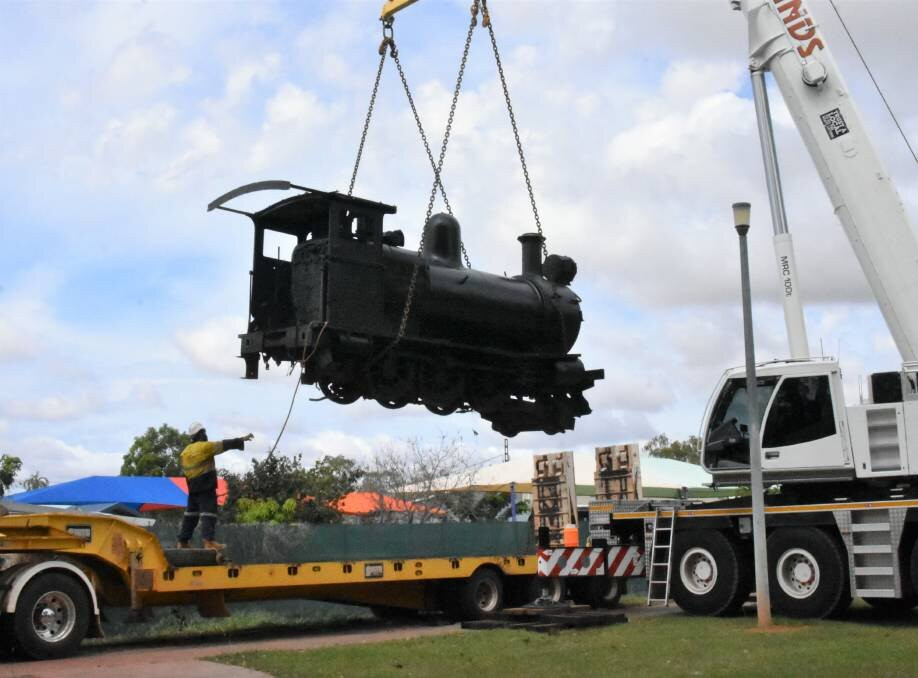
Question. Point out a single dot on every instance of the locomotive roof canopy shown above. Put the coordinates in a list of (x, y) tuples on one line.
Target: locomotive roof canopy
[(293, 207)]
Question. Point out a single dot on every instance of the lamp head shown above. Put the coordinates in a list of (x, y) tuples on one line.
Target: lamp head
[(741, 212)]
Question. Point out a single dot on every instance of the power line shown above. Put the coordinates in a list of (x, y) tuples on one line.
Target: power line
[(875, 83)]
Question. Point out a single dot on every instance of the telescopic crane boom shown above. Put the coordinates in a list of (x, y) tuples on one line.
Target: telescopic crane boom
[(808, 434), (784, 39)]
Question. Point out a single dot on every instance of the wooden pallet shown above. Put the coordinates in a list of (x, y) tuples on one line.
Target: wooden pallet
[(549, 619)]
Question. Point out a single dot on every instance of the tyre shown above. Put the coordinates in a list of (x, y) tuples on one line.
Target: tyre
[(892, 606), (7, 646), (481, 595), (598, 592), (913, 570), (550, 589), (52, 616), (710, 574), (807, 573), (386, 613)]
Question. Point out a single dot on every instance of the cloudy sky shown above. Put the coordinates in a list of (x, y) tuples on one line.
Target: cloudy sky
[(121, 299)]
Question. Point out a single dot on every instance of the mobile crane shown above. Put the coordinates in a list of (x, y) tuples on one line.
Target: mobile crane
[(845, 521)]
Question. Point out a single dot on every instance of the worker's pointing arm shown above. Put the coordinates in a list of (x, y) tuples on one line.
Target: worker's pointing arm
[(235, 443)]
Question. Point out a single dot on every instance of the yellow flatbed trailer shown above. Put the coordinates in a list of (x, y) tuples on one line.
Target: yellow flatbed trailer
[(58, 568)]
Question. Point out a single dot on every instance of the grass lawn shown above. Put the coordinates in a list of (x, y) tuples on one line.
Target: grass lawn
[(671, 645)]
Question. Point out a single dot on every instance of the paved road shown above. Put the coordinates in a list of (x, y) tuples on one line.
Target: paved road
[(190, 662)]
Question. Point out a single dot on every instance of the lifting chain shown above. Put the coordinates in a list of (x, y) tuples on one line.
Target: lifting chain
[(388, 42), (486, 22), (388, 46), (412, 284)]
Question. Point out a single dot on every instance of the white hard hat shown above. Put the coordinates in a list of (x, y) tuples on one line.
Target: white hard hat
[(195, 427)]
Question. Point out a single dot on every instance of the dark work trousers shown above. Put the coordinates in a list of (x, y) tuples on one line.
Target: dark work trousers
[(202, 504)]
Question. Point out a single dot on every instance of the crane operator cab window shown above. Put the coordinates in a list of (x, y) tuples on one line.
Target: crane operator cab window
[(727, 438), (801, 413)]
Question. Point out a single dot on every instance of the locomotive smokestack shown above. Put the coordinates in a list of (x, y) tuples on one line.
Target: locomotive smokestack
[(532, 253)]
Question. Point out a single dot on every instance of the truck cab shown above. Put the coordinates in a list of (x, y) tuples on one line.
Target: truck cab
[(803, 424)]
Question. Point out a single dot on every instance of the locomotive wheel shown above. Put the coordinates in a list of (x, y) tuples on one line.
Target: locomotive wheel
[(393, 382), (441, 388), (439, 409), (341, 392), (392, 404), (485, 394)]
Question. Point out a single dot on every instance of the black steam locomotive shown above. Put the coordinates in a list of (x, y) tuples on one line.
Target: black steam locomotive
[(473, 340)]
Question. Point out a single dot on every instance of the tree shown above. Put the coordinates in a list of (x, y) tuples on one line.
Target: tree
[(9, 467), (36, 481), (273, 485), (687, 450), (156, 453), (426, 476), (265, 511)]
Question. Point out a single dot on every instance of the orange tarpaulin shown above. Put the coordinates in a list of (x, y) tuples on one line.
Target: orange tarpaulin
[(365, 503)]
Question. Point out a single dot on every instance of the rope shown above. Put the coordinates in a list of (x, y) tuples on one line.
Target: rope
[(874, 80), (297, 387)]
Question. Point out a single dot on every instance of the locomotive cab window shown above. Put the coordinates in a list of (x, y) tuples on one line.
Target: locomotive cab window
[(359, 227), (727, 437), (801, 412), (278, 245)]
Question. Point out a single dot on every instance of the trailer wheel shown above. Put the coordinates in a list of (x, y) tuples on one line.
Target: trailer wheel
[(52, 616), (710, 574), (482, 594), (808, 573), (597, 592)]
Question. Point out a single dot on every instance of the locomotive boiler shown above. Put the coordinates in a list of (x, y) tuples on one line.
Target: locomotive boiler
[(473, 340)]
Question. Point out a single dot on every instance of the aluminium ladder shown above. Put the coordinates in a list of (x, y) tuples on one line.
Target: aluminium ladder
[(661, 557)]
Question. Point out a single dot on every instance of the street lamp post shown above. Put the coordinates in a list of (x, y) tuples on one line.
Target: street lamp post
[(763, 598)]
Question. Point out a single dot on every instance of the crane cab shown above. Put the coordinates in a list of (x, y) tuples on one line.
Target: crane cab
[(803, 425)]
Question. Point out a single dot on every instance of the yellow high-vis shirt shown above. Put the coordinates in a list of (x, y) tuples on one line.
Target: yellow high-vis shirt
[(198, 458)]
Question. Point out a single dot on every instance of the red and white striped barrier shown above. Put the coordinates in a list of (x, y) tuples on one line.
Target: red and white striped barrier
[(625, 561), (619, 561)]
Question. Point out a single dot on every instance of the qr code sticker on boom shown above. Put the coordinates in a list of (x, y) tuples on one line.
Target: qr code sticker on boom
[(834, 123)]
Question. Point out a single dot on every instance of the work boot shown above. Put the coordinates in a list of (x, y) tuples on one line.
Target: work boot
[(183, 545), (216, 546)]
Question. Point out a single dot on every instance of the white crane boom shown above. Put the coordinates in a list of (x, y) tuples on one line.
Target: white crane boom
[(784, 39)]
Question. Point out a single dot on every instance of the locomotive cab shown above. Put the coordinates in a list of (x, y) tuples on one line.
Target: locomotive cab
[(331, 264)]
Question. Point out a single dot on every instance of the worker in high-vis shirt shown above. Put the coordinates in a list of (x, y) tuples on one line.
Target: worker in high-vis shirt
[(201, 473)]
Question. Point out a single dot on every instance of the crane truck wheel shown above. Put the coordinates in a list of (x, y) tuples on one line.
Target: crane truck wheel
[(894, 607), (808, 573), (52, 616), (597, 592), (710, 573), (480, 595)]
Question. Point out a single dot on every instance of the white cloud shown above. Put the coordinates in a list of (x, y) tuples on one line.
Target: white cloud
[(51, 408), (293, 119), (60, 461), (241, 78), (211, 345), (143, 65)]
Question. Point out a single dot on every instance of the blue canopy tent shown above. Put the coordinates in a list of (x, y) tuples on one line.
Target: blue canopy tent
[(141, 493)]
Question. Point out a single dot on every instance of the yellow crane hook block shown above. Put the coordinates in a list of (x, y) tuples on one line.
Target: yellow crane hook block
[(390, 7)]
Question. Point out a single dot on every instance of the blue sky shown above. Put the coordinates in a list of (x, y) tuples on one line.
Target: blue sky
[(120, 298)]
